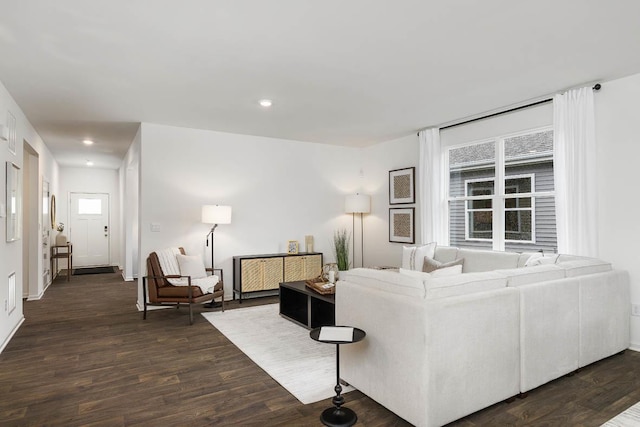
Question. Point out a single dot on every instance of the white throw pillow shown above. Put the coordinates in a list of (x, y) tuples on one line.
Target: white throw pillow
[(191, 266), (447, 271), (541, 259), (413, 273), (413, 256), (429, 265)]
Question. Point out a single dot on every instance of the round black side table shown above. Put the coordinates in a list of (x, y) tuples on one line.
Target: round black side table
[(337, 416)]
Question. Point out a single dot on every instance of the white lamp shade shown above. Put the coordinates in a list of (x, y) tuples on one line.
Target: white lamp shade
[(215, 214), (357, 203)]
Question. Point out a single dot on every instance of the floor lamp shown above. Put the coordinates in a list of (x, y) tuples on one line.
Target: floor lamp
[(358, 203), (215, 214)]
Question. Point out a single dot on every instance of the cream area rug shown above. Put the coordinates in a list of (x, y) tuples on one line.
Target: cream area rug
[(306, 368), (628, 418)]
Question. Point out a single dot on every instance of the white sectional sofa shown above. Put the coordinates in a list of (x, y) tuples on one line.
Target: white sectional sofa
[(440, 348)]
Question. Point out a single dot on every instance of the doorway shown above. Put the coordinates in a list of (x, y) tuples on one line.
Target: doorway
[(90, 230), (32, 285)]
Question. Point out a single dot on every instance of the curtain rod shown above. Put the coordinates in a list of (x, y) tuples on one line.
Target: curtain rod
[(596, 87)]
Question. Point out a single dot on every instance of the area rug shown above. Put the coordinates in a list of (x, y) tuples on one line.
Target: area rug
[(306, 368), (93, 270), (628, 418)]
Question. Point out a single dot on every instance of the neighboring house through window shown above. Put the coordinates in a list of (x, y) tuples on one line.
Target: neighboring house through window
[(501, 193)]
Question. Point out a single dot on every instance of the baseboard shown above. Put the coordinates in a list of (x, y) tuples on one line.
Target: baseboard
[(13, 332), (35, 297), (634, 347)]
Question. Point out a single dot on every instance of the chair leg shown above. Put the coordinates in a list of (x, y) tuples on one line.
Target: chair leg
[(190, 315), (222, 302), (144, 298)]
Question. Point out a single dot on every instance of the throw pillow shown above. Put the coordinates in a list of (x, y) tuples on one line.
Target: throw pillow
[(413, 273), (430, 264), (191, 266), (541, 259), (447, 271), (412, 256)]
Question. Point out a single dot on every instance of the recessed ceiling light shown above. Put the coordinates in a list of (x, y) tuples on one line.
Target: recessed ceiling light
[(89, 163), (87, 142), (266, 103)]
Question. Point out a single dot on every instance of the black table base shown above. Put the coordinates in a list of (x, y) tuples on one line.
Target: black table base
[(338, 417)]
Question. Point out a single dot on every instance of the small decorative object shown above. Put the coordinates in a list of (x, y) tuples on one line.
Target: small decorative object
[(330, 272), (402, 186), (61, 239), (292, 247), (308, 243), (52, 211), (341, 241), (401, 225)]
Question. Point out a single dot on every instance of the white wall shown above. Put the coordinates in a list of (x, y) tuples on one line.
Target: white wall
[(129, 213), (11, 252), (378, 160), (91, 180), (279, 190), (618, 139)]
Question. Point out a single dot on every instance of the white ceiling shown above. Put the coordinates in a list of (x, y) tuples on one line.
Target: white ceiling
[(351, 72)]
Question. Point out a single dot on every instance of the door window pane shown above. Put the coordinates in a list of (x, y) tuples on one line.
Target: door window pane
[(89, 207)]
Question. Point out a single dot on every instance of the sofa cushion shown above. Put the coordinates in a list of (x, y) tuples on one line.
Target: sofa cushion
[(445, 253), (431, 265), (442, 272), (581, 267), (479, 260), (528, 275), (385, 280), (541, 259), (440, 287), (412, 256)]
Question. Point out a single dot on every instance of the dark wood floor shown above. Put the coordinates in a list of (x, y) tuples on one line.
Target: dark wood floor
[(84, 356)]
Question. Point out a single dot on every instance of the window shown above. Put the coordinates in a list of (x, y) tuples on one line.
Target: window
[(501, 193), (89, 207)]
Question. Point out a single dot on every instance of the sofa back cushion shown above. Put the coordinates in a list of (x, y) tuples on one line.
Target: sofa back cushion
[(476, 260), (441, 287), (583, 266), (385, 280), (528, 275), (445, 254)]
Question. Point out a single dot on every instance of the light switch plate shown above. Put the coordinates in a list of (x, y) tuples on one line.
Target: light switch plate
[(155, 227)]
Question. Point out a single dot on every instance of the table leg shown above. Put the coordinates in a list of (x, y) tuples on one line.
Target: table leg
[(338, 416)]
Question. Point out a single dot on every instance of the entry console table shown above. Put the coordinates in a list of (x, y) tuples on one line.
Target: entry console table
[(62, 251), (261, 275)]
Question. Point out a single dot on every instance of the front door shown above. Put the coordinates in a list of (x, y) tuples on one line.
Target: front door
[(89, 232)]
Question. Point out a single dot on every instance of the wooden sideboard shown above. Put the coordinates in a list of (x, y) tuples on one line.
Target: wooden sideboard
[(261, 275)]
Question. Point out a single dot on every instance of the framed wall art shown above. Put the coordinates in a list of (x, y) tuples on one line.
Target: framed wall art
[(11, 126), (402, 186), (14, 202), (402, 225)]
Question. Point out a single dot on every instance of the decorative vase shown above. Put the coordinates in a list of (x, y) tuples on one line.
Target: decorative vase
[(61, 239)]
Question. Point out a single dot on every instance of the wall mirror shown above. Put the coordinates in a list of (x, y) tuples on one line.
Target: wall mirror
[(53, 211), (14, 202)]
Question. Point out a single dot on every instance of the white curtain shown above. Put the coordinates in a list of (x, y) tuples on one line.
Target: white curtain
[(431, 188), (575, 172)]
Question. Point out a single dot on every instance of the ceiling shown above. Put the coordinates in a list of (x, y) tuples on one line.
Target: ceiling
[(349, 72)]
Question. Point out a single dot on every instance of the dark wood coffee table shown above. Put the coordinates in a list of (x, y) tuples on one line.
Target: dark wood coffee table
[(306, 307)]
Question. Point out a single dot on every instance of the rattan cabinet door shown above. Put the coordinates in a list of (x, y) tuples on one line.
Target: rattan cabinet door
[(272, 272), (312, 266), (252, 275), (294, 268)]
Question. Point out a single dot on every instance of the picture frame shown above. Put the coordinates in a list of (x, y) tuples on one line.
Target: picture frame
[(292, 247), (402, 225), (13, 202), (402, 186)]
